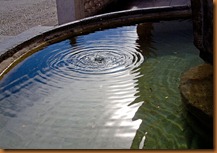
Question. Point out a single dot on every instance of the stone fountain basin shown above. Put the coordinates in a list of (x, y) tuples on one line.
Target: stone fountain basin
[(15, 50)]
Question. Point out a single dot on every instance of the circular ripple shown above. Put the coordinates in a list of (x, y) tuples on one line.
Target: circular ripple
[(93, 61)]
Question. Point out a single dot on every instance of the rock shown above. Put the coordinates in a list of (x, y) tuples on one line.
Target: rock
[(86, 6), (196, 89), (202, 17)]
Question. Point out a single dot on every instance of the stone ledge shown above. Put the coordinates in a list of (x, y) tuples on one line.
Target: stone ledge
[(5, 38), (10, 42)]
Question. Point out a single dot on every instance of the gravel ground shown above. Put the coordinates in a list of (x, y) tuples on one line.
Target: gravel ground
[(17, 16)]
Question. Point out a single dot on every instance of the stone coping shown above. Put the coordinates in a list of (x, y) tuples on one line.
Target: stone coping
[(13, 41), (15, 50)]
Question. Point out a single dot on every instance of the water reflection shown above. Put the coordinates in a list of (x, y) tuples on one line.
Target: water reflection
[(61, 97), (145, 40), (112, 89)]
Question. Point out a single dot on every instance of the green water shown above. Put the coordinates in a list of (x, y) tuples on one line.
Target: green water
[(163, 123), (64, 97)]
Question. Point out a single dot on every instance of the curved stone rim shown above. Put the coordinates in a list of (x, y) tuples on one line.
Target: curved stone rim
[(9, 57)]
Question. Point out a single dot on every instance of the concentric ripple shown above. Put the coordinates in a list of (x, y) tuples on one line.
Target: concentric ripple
[(93, 61)]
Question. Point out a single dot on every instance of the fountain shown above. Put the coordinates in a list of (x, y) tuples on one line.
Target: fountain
[(104, 82)]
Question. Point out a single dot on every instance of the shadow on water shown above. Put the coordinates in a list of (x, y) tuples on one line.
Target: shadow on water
[(145, 41), (165, 122), (202, 137)]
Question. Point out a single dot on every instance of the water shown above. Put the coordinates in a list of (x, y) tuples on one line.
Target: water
[(110, 89)]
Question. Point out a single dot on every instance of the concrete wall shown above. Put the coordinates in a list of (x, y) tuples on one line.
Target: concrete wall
[(70, 10), (65, 11)]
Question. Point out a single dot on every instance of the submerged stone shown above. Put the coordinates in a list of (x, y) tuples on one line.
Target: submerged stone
[(196, 89)]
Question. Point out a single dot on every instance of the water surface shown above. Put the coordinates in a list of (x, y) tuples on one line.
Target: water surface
[(110, 89)]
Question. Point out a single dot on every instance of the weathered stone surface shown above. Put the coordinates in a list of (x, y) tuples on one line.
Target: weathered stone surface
[(197, 92), (202, 16), (92, 7)]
